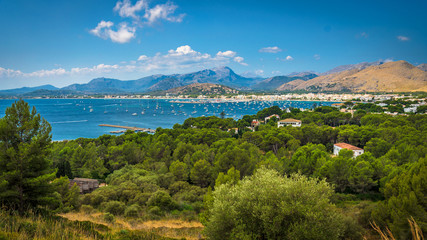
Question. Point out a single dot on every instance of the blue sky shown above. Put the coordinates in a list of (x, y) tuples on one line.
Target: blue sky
[(64, 42)]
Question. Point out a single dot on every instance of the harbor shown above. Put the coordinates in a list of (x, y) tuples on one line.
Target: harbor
[(135, 129)]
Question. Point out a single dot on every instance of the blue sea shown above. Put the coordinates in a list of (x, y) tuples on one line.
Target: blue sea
[(75, 118)]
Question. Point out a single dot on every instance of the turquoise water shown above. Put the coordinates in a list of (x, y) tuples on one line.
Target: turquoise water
[(73, 118)]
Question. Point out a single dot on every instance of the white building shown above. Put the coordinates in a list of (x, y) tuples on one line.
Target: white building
[(356, 151), (274, 115), (289, 121)]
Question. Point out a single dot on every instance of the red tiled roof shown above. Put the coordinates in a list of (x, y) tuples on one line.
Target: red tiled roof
[(347, 146)]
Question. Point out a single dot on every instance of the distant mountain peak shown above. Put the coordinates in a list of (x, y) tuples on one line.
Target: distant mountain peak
[(222, 68), (358, 66)]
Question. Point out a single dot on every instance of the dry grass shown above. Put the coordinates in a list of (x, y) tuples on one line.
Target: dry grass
[(172, 228), (386, 234)]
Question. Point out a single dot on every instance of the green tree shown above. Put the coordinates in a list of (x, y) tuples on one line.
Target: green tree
[(25, 172), (337, 170), (232, 177), (405, 196), (269, 206), (377, 147), (179, 170), (68, 197), (309, 158), (201, 173), (361, 178)]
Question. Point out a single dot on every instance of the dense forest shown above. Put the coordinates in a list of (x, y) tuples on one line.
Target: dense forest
[(270, 183)]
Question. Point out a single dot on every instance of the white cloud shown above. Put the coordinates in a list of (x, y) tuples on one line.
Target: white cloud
[(142, 58), (123, 35), (141, 14), (316, 56), (362, 35), (288, 58), (178, 60), (403, 38), (9, 73), (126, 9), (226, 54), (276, 72), (259, 72), (99, 28), (240, 60), (163, 11), (182, 50), (270, 50)]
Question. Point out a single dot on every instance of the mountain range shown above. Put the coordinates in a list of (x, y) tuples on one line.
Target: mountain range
[(398, 76)]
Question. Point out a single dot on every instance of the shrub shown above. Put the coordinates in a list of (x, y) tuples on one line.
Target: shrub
[(114, 207), (108, 217), (162, 200), (132, 211), (155, 211), (87, 209), (269, 206)]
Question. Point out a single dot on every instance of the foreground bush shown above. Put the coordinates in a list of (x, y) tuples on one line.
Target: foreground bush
[(269, 206)]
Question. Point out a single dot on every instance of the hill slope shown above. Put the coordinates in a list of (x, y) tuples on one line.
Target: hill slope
[(24, 90), (201, 89), (275, 82), (423, 66), (399, 76)]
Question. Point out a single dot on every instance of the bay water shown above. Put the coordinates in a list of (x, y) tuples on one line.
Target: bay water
[(75, 118)]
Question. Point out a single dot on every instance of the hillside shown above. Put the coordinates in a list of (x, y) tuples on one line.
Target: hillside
[(358, 66), (399, 76), (423, 66), (201, 89), (24, 90), (275, 82)]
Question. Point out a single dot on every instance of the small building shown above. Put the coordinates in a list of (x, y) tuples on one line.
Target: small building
[(356, 151), (274, 115), (235, 130), (255, 123), (289, 122), (86, 185), (410, 109)]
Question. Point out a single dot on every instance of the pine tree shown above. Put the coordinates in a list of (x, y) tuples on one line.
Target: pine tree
[(25, 173)]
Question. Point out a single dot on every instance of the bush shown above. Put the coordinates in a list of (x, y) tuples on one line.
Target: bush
[(114, 207), (87, 209), (156, 211), (132, 211), (162, 200), (108, 217), (269, 206)]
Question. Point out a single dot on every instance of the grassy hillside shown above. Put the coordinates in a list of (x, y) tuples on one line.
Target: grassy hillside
[(399, 76)]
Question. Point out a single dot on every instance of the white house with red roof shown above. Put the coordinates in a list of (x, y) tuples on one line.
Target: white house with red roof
[(356, 150), (274, 115), (255, 123)]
